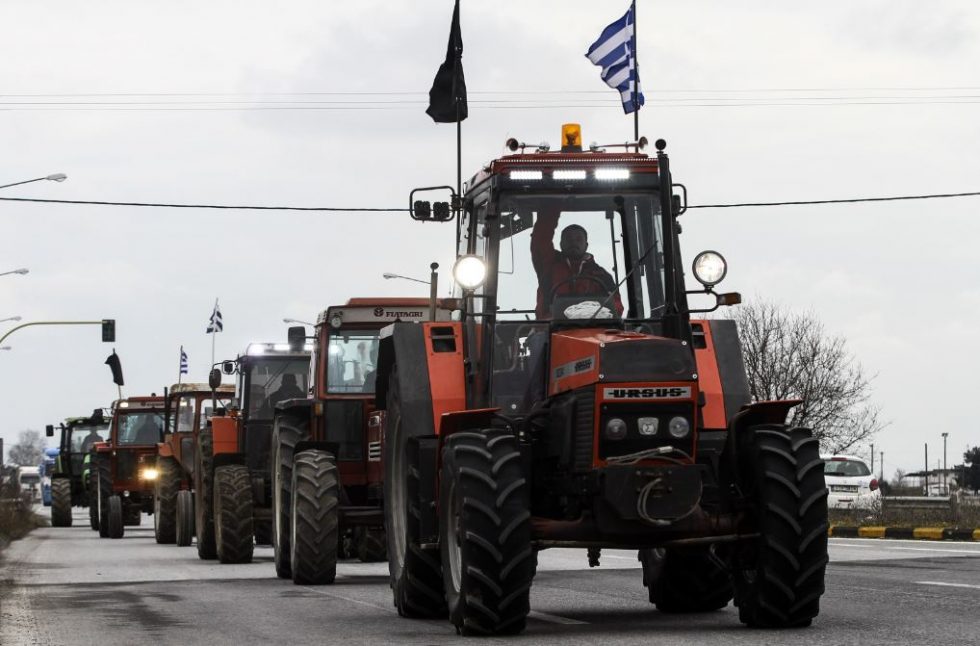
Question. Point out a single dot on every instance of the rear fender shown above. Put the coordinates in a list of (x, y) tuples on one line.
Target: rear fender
[(224, 431), (224, 459), (767, 412)]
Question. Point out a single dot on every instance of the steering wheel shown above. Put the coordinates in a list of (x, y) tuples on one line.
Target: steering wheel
[(593, 279)]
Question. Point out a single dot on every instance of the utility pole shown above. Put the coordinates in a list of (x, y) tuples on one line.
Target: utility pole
[(881, 465), (926, 470), (945, 475), (872, 457)]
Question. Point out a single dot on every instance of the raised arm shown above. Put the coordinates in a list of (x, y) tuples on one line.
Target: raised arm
[(543, 239)]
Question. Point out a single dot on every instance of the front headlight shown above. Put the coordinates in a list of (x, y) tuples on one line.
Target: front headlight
[(679, 427), (149, 474), (710, 268), (470, 272)]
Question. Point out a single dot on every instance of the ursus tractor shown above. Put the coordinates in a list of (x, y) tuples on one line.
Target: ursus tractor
[(125, 465), (232, 476), (327, 446), (574, 402), (189, 409), (70, 475)]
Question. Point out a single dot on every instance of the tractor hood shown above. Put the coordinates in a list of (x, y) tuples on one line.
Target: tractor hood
[(584, 357)]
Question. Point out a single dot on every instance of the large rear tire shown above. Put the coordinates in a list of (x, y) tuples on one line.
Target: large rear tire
[(185, 518), (116, 528), (204, 496), (286, 434), (685, 580), (371, 544), (778, 584), (488, 562), (233, 532), (165, 501), (416, 573), (315, 518), (61, 502)]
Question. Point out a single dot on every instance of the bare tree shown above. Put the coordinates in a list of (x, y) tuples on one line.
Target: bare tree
[(791, 356), (29, 449)]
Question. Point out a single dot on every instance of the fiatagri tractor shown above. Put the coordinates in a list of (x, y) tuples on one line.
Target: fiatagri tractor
[(126, 464), (327, 446), (232, 475), (70, 478), (189, 409), (591, 412)]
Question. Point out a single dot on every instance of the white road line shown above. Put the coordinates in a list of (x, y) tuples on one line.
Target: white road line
[(949, 585), (555, 619), (932, 549), (343, 598)]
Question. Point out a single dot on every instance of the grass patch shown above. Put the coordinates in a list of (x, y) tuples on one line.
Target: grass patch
[(962, 516), (16, 522)]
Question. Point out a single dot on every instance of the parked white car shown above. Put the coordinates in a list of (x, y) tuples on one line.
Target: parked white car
[(851, 483)]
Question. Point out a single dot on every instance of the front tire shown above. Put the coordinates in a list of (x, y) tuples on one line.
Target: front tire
[(685, 580), (165, 501), (485, 533), (185, 518), (103, 490), (416, 573), (778, 584), (115, 517), (233, 532), (315, 518), (285, 436), (61, 502), (204, 496)]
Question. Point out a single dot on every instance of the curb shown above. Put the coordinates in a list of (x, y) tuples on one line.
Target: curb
[(918, 533)]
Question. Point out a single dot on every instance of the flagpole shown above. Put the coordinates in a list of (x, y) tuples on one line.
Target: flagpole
[(214, 332), (459, 123), (180, 365), (636, 76)]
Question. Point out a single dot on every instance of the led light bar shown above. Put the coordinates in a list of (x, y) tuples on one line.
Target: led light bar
[(612, 173), (526, 174), (568, 173)]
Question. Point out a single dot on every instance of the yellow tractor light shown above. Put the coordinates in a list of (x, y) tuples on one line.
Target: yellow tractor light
[(149, 474), (571, 137)]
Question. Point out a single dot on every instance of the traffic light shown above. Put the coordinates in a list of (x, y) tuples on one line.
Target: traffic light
[(108, 330)]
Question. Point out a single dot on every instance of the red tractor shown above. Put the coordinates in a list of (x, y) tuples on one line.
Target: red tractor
[(574, 402), (327, 446), (232, 474), (188, 411), (126, 464)]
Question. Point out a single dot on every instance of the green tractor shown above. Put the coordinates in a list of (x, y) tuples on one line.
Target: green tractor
[(70, 482)]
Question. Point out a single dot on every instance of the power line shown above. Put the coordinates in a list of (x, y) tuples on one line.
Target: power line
[(340, 209)]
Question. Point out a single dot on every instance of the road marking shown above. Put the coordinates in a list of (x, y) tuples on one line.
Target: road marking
[(949, 585), (555, 619), (932, 549), (343, 598)]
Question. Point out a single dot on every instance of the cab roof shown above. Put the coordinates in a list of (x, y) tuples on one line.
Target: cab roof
[(547, 161), (200, 389)]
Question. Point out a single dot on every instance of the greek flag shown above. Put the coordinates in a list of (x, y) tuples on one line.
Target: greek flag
[(216, 325), (183, 361), (615, 53)]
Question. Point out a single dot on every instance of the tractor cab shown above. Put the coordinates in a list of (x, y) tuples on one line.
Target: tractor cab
[(190, 408)]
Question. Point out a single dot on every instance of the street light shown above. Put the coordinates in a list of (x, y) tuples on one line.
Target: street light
[(389, 276), (12, 318), (6, 347), (56, 177), (21, 271), (298, 321)]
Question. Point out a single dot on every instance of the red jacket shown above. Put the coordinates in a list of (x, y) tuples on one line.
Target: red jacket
[(552, 267)]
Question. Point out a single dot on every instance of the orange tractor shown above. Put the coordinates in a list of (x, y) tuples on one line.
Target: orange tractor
[(327, 447), (126, 464), (574, 402), (189, 409), (232, 474)]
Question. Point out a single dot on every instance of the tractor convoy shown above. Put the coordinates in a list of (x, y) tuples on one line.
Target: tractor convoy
[(567, 395)]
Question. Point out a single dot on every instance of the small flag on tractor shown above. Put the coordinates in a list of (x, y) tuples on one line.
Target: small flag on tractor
[(615, 53), (183, 361), (447, 98), (115, 365), (216, 324)]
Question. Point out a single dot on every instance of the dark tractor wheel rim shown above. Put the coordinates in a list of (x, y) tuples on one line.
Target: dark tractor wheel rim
[(454, 541)]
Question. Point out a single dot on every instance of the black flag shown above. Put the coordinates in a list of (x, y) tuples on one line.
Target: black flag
[(447, 98), (116, 367)]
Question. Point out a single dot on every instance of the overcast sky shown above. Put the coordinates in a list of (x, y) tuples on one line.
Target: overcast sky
[(759, 101)]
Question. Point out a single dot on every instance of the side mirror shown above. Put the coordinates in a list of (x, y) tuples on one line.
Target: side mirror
[(49, 430), (296, 336), (228, 367), (214, 379)]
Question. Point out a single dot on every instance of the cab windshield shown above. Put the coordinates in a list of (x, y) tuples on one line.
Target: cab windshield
[(351, 358), (140, 428), (570, 256), (275, 380), (83, 436)]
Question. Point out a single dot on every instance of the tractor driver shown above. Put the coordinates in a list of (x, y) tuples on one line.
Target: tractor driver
[(569, 271), (287, 390), (92, 438)]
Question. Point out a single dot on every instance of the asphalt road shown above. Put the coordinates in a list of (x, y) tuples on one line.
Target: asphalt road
[(67, 586)]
